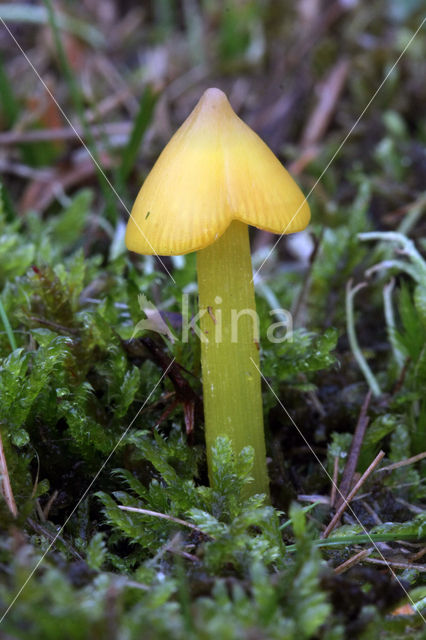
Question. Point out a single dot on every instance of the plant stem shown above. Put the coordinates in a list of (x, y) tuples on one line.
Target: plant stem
[(391, 324), (407, 245), (353, 340), (5, 486), (229, 339)]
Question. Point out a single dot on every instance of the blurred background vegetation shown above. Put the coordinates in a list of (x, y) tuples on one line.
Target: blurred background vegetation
[(90, 92)]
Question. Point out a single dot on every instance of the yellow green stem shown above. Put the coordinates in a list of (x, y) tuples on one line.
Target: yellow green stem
[(230, 349)]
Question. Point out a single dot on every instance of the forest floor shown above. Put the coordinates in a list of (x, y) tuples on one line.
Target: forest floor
[(92, 416)]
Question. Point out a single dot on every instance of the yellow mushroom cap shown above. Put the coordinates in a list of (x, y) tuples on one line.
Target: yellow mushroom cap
[(214, 170)]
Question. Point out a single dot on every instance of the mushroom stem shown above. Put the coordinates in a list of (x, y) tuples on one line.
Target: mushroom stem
[(229, 348)]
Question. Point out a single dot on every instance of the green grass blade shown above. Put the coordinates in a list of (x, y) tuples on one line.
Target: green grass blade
[(9, 104), (142, 121), (8, 328), (345, 541)]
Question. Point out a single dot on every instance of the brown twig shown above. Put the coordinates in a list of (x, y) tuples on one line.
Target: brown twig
[(5, 486), (49, 504), (418, 555), (354, 451), (334, 481), (353, 560), (53, 537), (329, 93), (39, 195), (183, 554), (54, 325), (403, 463), (335, 519), (398, 384), (398, 565), (8, 138)]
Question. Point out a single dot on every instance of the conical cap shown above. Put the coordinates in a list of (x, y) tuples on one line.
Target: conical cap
[(215, 169)]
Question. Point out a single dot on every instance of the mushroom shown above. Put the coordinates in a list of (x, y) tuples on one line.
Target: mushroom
[(213, 179)]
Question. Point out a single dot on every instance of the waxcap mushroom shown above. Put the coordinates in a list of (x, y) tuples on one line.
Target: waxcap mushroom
[(214, 170)]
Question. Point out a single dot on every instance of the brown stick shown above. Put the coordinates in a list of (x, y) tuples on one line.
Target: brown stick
[(349, 470), (65, 133), (49, 504), (5, 486), (350, 562), (329, 93), (403, 463), (398, 565), (334, 481), (53, 538), (335, 519)]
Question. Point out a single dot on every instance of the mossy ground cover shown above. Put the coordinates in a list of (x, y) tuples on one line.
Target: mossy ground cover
[(118, 532)]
